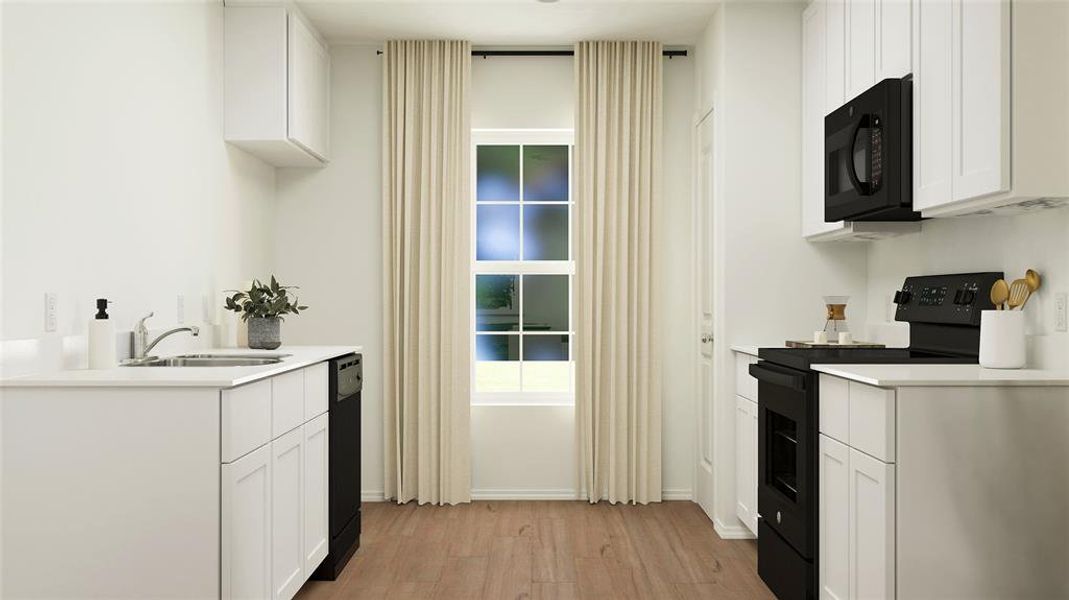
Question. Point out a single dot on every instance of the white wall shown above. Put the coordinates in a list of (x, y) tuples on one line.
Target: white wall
[(962, 245), (769, 281), (117, 182), (329, 243)]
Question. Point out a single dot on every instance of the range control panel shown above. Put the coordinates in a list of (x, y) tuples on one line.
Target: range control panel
[(948, 299)]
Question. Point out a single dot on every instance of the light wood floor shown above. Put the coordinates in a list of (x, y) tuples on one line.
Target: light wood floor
[(543, 550)]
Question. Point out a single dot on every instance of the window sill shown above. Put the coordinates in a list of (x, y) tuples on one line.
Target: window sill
[(523, 399)]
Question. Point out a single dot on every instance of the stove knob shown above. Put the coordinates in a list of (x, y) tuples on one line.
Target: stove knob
[(959, 297), (902, 297), (968, 297)]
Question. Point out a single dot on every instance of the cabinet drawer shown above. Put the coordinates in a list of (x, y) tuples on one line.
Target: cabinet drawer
[(246, 419), (835, 408), (872, 421), (287, 402), (316, 391), (745, 384)]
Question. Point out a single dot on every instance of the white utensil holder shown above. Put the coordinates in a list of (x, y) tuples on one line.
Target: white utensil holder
[(1002, 339)]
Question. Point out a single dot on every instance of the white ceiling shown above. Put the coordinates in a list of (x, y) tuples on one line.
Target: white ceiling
[(510, 22)]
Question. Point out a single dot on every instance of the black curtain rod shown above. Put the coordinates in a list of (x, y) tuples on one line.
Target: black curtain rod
[(486, 53)]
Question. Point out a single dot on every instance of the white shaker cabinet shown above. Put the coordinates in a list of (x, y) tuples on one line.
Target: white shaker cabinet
[(823, 90), (991, 132), (894, 38), (246, 526), (315, 488), (287, 515), (860, 17), (746, 462), (856, 491), (277, 85)]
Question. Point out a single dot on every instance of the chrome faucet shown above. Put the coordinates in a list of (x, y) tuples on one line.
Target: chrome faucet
[(141, 344)]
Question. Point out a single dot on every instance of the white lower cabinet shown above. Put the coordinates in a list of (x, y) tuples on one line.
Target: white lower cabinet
[(746, 462), (246, 526), (856, 520), (315, 473), (287, 514), (274, 517)]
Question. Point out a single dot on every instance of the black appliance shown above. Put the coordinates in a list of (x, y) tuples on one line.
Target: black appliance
[(346, 382), (943, 312), (868, 156)]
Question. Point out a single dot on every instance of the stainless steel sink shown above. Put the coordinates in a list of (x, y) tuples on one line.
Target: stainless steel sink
[(206, 361), (235, 355)]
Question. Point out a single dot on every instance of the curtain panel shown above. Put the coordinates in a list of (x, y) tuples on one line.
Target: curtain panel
[(426, 268), (618, 188)]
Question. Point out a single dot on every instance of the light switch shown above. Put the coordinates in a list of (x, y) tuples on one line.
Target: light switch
[(50, 311)]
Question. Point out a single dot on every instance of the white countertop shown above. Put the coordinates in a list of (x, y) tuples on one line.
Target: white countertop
[(214, 377), (744, 349), (945, 375)]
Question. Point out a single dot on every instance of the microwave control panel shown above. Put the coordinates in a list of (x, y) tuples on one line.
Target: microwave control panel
[(946, 299)]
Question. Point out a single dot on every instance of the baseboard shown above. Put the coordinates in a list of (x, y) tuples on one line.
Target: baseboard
[(677, 494), (372, 496), (732, 532), (524, 495)]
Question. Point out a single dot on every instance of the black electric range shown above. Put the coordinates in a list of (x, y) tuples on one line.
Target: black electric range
[(943, 312)]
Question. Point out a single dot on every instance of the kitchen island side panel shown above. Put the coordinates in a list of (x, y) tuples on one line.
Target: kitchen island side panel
[(983, 486), (110, 492)]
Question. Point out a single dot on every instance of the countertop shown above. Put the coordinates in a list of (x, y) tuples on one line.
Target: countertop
[(212, 377), (929, 375), (744, 349)]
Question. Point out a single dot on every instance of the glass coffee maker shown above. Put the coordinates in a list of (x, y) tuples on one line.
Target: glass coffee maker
[(835, 320)]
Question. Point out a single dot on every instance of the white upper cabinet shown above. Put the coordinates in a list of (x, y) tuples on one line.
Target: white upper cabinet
[(824, 80), (991, 131), (860, 46), (894, 38), (277, 86)]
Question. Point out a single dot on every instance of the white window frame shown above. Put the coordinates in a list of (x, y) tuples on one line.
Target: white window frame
[(521, 137)]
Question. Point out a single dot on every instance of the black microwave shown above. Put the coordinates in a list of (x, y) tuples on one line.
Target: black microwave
[(868, 156)]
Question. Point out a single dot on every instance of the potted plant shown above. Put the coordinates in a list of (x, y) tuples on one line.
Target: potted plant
[(263, 307)]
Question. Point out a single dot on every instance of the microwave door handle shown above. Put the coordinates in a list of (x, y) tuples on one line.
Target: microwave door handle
[(787, 380), (851, 172)]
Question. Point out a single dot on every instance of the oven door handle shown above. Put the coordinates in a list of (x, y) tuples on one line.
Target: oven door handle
[(787, 380)]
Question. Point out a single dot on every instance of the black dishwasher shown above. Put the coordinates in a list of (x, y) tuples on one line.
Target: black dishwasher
[(346, 379)]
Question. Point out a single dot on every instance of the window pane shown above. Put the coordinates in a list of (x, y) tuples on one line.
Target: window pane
[(545, 173), (497, 306), (547, 376), (497, 232), (545, 303), (497, 173), (545, 347), (545, 232), (497, 347)]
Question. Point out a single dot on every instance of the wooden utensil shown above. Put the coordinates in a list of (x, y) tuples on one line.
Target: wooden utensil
[(1000, 292), (1019, 293)]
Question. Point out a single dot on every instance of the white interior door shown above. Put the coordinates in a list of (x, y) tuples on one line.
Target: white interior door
[(704, 277)]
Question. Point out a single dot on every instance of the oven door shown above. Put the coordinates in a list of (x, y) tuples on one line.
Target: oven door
[(787, 454)]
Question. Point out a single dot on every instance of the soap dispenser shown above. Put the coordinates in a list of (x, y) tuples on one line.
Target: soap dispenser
[(102, 338)]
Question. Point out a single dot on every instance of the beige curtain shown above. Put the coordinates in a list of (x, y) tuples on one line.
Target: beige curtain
[(426, 248), (618, 175)]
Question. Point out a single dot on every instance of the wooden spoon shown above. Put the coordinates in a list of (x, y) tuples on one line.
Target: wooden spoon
[(1019, 293), (1000, 292)]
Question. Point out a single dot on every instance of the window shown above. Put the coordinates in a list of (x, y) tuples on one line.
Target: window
[(522, 267)]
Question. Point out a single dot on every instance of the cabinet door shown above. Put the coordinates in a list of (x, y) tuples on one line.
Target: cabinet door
[(745, 506), (835, 56), (309, 89), (872, 527), (932, 103), (834, 519), (316, 390), (245, 540), (814, 106), (753, 466), (287, 515), (860, 46), (314, 489), (980, 65), (287, 402), (894, 38)]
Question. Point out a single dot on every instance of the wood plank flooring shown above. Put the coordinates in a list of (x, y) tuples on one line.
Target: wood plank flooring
[(543, 551)]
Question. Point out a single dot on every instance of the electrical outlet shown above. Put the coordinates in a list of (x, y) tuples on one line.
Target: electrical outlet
[(180, 316), (50, 311), (1061, 319)]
